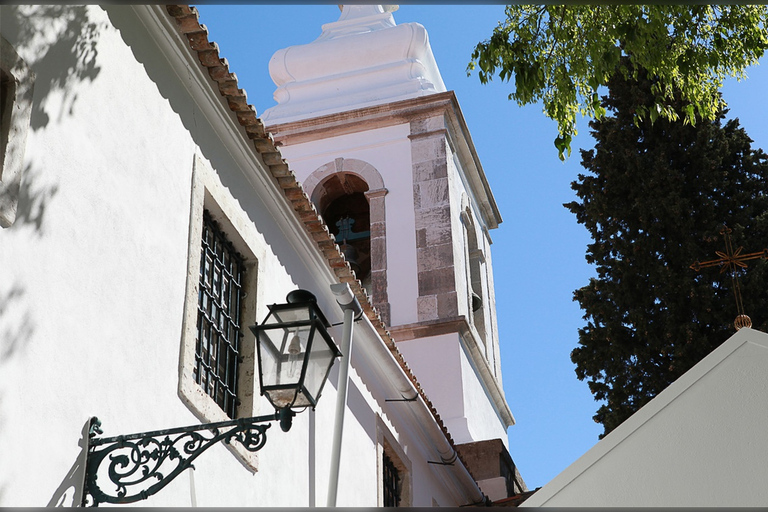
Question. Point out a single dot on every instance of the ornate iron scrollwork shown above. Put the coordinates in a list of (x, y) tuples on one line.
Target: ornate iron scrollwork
[(139, 465)]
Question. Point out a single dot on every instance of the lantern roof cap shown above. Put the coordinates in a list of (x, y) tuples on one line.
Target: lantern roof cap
[(295, 300), (300, 296)]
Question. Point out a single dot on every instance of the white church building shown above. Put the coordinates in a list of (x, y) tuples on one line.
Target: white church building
[(149, 218), (154, 234)]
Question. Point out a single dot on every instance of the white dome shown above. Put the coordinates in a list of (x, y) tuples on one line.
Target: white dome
[(363, 59)]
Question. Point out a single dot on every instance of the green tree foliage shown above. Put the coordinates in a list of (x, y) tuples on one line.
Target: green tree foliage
[(561, 54), (654, 200)]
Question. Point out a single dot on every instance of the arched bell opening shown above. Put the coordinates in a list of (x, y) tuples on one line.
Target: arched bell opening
[(345, 209)]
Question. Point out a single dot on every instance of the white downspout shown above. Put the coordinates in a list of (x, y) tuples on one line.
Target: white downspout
[(348, 302)]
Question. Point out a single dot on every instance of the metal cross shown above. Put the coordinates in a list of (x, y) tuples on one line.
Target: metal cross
[(731, 260)]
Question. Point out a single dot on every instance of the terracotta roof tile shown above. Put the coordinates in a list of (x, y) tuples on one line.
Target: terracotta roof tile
[(189, 23), (238, 102), (226, 87), (244, 118), (264, 144), (273, 158), (187, 20), (199, 40), (178, 11)]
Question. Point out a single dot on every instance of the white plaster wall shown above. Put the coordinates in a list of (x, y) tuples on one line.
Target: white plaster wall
[(92, 320), (701, 442), (358, 474), (463, 402), (432, 359), (484, 421), (93, 275), (388, 150)]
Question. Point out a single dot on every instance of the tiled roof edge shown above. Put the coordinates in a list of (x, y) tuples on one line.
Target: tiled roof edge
[(188, 22), (515, 500)]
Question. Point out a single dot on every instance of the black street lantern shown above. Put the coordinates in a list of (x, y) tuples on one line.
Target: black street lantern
[(295, 355), (295, 352)]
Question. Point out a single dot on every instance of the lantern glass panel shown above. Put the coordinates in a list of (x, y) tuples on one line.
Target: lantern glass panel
[(282, 357), (321, 358)]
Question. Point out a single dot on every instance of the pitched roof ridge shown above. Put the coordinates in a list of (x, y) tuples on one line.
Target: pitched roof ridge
[(188, 22)]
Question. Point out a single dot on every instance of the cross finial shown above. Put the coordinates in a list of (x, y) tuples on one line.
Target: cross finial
[(731, 260)]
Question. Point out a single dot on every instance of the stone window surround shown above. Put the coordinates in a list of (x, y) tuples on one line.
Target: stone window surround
[(475, 275), (208, 193), (375, 195), (15, 123), (386, 443)]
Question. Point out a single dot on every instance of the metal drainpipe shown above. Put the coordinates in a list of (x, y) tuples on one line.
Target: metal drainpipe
[(348, 302)]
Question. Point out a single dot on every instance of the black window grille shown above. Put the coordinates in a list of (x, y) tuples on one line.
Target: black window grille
[(217, 348), (391, 483)]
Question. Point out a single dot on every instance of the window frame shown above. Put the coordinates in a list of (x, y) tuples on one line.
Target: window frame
[(208, 193), (388, 446)]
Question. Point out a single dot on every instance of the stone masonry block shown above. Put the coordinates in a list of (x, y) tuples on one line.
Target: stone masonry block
[(378, 229), (436, 223), (433, 193), (384, 311), (438, 236), (378, 253), (435, 257), (432, 218), (426, 125), (427, 149), (430, 170), (434, 282), (447, 305), (379, 285), (427, 308), (377, 210)]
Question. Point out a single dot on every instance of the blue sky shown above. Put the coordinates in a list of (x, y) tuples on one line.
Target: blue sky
[(538, 251)]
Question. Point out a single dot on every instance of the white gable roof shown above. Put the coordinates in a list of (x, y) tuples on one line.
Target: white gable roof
[(703, 441)]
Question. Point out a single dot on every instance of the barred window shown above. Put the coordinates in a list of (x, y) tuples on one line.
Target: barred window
[(217, 347), (391, 487)]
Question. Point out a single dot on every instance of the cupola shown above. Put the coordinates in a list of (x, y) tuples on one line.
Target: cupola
[(363, 59)]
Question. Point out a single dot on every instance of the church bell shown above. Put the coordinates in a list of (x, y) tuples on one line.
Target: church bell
[(350, 254)]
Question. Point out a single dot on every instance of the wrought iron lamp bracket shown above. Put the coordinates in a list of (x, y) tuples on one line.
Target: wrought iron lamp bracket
[(140, 465)]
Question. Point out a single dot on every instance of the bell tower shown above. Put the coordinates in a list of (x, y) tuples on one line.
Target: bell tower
[(382, 149)]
